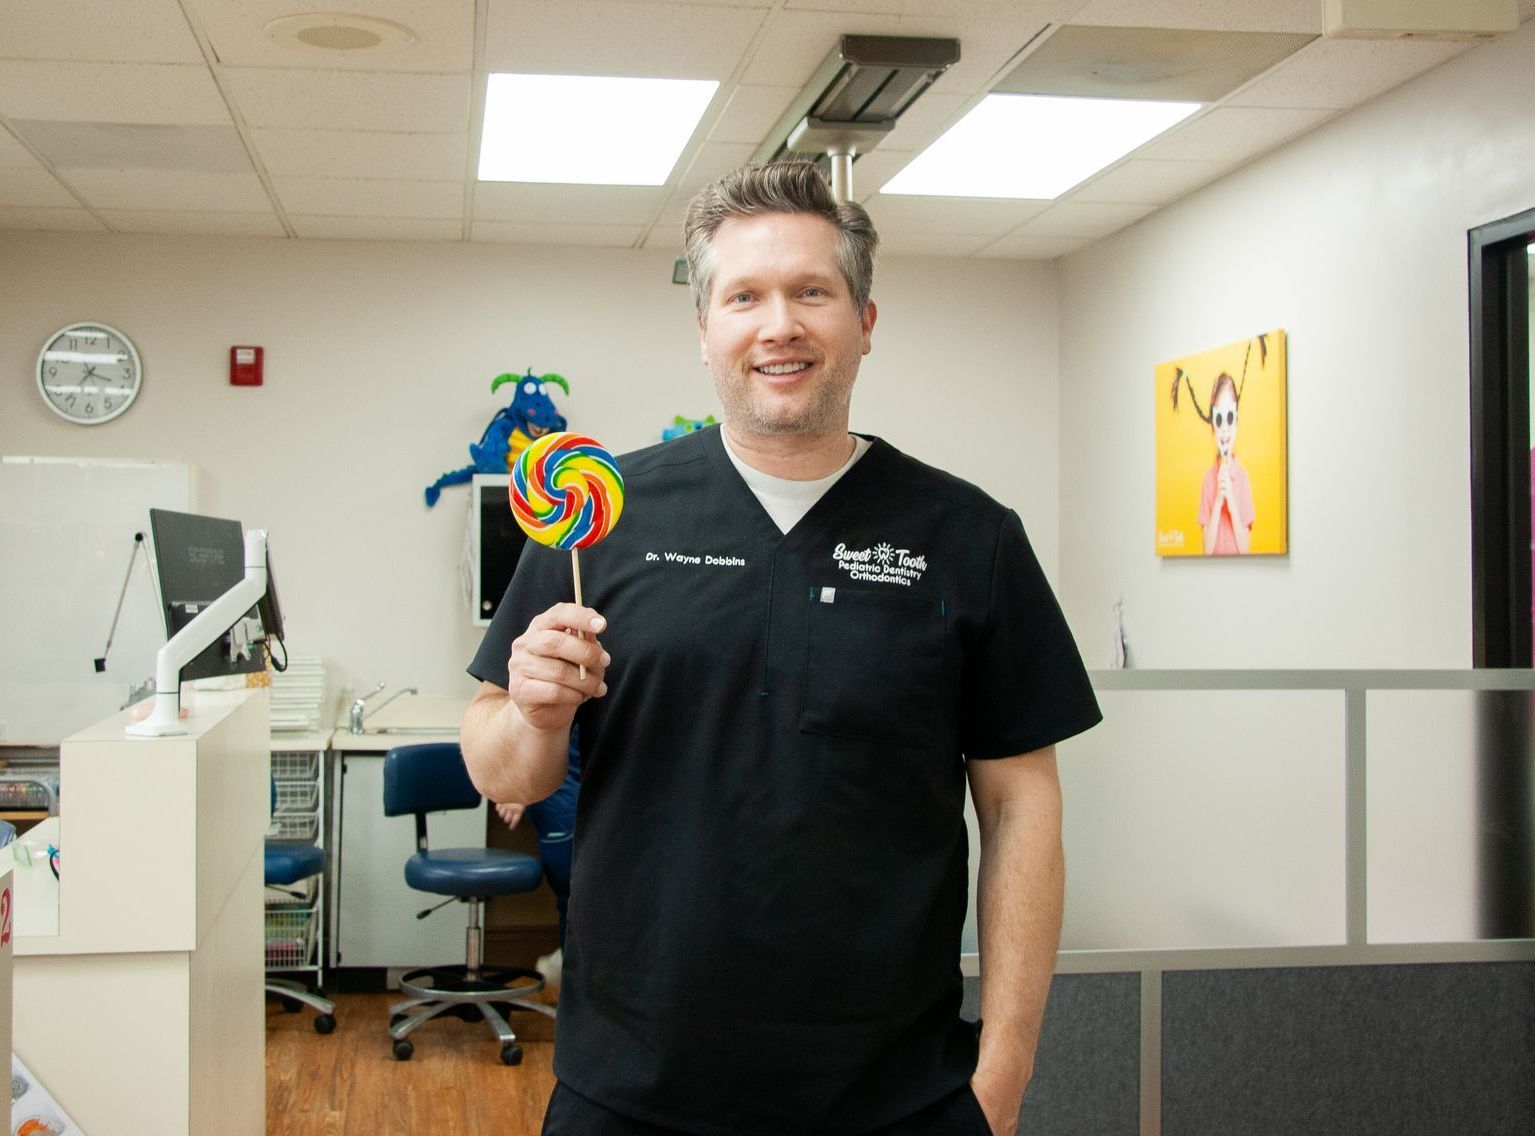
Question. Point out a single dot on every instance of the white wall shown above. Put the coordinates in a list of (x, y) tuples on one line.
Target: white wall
[(1352, 239), (378, 364)]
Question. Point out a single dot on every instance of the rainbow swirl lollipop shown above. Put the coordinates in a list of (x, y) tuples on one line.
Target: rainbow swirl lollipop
[(566, 491)]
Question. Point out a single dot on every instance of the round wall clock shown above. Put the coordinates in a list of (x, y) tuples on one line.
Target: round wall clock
[(89, 373)]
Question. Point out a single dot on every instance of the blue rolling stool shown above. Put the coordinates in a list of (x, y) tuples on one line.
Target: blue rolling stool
[(285, 865), (420, 779)]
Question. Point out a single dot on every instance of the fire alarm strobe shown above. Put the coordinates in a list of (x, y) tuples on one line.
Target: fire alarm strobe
[(245, 366)]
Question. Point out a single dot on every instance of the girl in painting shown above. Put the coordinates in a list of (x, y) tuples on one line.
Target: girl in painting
[(1226, 497)]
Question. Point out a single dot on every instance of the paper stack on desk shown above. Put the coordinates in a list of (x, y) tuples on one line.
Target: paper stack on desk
[(298, 694)]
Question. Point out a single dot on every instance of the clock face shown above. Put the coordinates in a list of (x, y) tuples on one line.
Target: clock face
[(89, 373)]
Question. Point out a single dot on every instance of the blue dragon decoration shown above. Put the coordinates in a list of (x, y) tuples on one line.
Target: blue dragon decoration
[(531, 414)]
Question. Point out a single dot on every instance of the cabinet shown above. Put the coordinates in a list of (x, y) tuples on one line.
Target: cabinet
[(376, 909), (373, 910)]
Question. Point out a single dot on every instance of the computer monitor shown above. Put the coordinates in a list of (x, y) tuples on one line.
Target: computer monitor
[(197, 560), (498, 542)]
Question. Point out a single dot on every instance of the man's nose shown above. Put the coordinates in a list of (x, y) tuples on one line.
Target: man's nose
[(779, 320)]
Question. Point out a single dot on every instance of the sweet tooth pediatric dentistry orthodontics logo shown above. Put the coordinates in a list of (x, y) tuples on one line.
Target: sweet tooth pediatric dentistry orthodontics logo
[(880, 563)]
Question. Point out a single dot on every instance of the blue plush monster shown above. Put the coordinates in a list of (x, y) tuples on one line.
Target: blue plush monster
[(531, 414)]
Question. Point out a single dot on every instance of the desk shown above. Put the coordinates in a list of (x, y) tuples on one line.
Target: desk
[(144, 1013)]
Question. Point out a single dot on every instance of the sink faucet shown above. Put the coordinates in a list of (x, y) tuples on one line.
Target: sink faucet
[(359, 708)]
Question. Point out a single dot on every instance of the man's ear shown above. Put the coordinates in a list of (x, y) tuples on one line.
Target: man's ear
[(703, 346), (870, 314)]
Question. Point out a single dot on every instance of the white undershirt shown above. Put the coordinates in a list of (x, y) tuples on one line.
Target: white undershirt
[(787, 501)]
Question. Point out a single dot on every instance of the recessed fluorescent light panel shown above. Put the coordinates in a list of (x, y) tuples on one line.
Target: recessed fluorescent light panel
[(1033, 146), (585, 130)]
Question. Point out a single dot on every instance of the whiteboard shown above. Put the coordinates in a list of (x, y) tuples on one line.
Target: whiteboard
[(66, 539)]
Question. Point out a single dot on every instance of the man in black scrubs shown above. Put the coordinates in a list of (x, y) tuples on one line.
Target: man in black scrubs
[(801, 644)]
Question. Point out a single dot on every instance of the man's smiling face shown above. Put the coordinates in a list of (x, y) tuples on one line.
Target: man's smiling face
[(782, 335)]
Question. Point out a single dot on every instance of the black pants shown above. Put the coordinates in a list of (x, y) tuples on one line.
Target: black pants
[(571, 1114)]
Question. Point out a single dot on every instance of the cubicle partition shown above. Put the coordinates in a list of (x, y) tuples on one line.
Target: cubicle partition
[(1297, 901)]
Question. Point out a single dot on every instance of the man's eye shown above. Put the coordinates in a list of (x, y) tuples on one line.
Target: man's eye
[(739, 298), (815, 292)]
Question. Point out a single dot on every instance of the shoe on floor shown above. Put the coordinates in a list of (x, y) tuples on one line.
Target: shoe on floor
[(550, 966)]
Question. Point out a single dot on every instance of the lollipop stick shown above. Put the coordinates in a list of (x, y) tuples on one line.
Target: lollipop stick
[(575, 569)]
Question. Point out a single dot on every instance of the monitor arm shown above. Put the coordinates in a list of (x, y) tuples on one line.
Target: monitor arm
[(211, 622)]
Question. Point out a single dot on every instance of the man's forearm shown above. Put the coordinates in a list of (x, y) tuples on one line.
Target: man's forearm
[(507, 759), (1020, 898)]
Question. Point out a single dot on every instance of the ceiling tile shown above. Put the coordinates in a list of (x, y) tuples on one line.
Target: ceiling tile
[(873, 170), (169, 93), (1083, 219), (352, 100), (1343, 73), (169, 189), (1167, 64), (1212, 15), (567, 204), (1032, 11), (751, 113), (377, 228), (360, 197), (1233, 134), (363, 154), (444, 36), (144, 31), (36, 187), (75, 220), (599, 37), (931, 244), (523, 233), (15, 155), (665, 236), (137, 146), (981, 216), (1032, 248), (714, 160), (1146, 182), (199, 224)]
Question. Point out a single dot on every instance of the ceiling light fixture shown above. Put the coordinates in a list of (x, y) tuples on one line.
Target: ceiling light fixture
[(588, 130), (1030, 146)]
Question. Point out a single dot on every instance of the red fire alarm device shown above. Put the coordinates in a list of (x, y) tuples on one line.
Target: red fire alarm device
[(245, 366)]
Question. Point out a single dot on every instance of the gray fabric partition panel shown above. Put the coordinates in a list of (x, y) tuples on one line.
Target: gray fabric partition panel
[(1416, 1050), (1087, 1072)]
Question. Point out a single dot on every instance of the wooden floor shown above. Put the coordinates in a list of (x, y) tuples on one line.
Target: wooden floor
[(348, 1083)]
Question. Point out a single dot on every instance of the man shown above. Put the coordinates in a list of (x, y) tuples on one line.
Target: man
[(799, 645)]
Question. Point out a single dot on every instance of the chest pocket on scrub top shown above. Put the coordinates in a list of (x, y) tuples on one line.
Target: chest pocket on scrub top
[(873, 665)]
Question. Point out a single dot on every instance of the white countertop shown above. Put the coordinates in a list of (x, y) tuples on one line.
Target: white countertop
[(408, 720)]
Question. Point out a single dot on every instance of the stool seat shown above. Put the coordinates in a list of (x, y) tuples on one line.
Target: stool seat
[(481, 872), (290, 863)]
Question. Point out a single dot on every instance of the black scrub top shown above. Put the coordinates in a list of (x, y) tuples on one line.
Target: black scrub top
[(769, 882)]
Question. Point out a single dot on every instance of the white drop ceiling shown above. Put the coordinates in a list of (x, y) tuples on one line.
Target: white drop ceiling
[(184, 116)]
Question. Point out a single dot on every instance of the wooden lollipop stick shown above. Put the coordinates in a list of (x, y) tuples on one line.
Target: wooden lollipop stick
[(575, 570)]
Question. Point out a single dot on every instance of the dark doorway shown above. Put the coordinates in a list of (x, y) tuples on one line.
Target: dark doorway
[(1501, 449)]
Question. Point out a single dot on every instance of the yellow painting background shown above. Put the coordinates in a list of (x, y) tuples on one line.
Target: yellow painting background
[(1186, 444)]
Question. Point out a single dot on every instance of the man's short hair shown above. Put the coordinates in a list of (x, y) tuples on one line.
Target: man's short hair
[(777, 187)]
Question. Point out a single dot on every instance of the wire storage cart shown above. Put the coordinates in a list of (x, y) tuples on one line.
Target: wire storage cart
[(295, 914)]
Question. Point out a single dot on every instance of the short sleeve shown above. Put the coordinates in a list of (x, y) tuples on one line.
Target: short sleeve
[(1206, 498), (1024, 685)]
